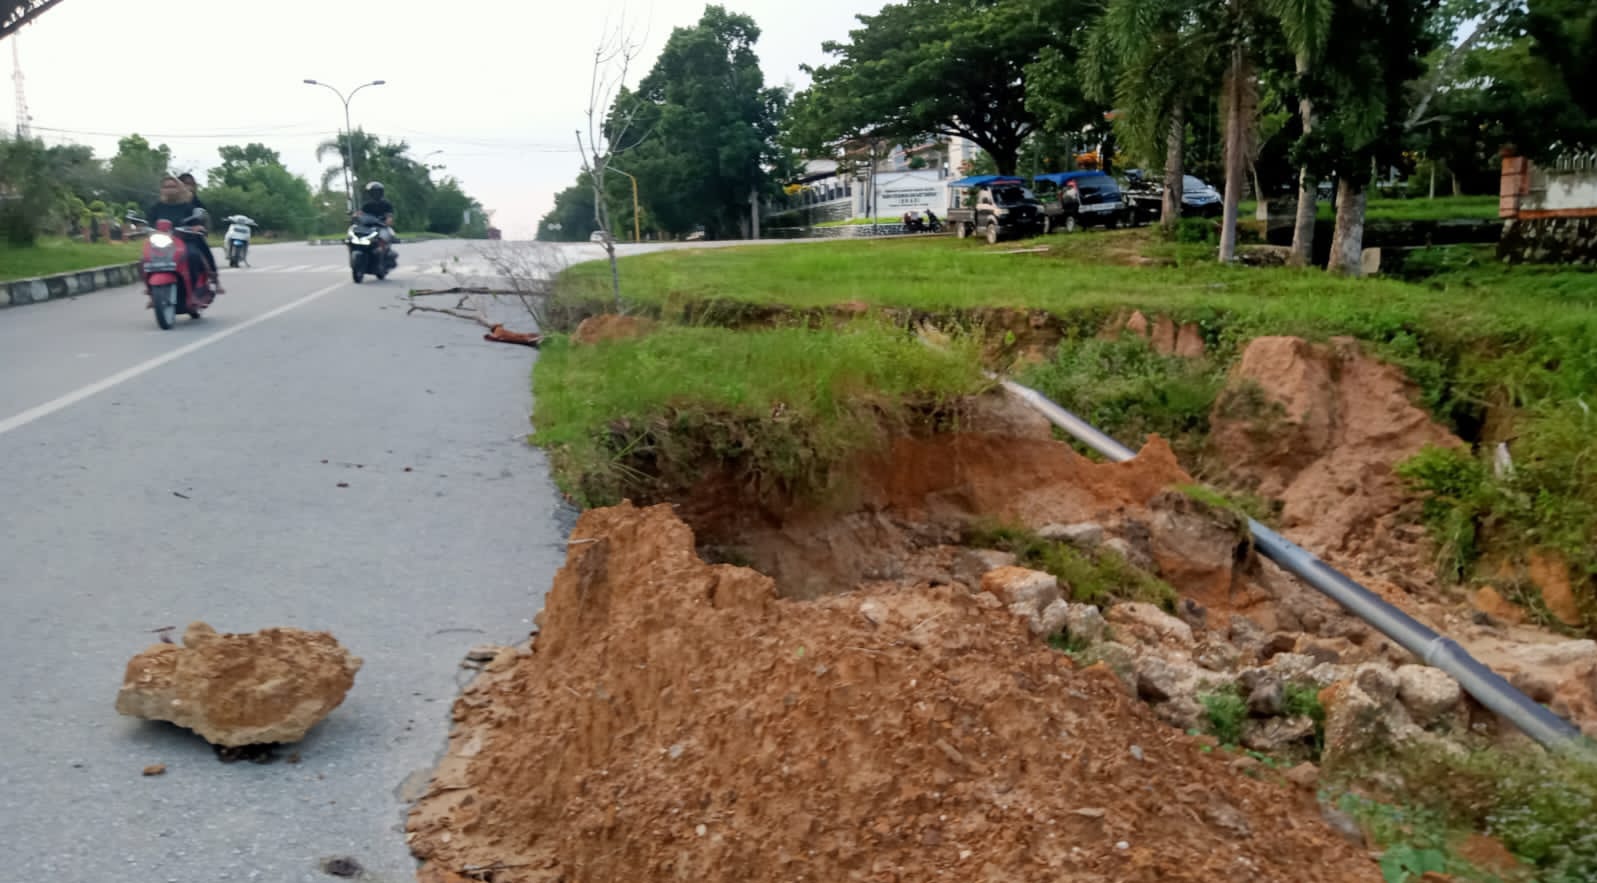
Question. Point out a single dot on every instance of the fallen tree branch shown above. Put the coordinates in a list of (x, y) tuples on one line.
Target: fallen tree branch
[(458, 289), (451, 311), (497, 333)]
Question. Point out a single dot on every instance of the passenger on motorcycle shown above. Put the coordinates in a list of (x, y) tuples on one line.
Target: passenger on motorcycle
[(178, 205), (381, 209)]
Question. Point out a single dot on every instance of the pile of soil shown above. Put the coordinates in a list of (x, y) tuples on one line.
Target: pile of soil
[(610, 326), (679, 720)]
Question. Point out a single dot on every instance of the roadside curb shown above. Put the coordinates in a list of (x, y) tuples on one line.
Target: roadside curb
[(64, 285)]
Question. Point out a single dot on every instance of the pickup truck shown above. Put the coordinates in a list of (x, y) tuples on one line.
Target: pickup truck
[(994, 206)]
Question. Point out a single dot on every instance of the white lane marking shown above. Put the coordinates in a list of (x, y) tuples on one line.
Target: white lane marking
[(99, 386)]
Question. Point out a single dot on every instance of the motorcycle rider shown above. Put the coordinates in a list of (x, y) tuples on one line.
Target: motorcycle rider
[(380, 208), (178, 205)]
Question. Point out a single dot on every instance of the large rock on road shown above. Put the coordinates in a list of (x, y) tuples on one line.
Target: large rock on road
[(269, 686)]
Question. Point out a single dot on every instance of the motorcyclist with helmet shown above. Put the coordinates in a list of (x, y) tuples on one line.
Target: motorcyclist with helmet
[(380, 208)]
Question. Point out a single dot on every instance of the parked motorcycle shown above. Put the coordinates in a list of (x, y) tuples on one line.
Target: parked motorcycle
[(165, 267), (368, 252), (238, 239), (917, 224)]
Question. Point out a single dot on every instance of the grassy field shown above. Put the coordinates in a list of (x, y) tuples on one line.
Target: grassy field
[(1442, 208), (782, 405), (59, 255)]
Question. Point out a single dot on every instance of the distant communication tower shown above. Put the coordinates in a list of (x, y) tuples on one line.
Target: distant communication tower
[(24, 130)]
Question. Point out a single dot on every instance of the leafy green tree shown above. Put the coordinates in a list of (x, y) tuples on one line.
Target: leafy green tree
[(950, 68), (571, 219), (29, 194), (710, 126), (135, 172)]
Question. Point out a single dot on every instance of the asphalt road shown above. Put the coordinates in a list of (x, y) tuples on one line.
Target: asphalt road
[(155, 478)]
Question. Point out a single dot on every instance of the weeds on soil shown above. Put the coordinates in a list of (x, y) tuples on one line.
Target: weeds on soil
[(1539, 805), (1098, 578)]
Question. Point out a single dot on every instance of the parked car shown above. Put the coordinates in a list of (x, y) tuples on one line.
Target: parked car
[(1081, 199), (1146, 196), (994, 206)]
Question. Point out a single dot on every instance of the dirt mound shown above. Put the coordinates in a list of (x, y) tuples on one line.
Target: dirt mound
[(1322, 428), (609, 326), (677, 720)]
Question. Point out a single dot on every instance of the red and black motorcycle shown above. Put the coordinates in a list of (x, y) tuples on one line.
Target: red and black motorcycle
[(165, 267)]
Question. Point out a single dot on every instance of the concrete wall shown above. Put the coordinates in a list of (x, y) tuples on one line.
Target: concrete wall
[(1555, 240), (32, 291)]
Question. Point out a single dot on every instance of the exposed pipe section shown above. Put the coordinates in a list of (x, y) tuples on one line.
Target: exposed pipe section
[(1487, 686)]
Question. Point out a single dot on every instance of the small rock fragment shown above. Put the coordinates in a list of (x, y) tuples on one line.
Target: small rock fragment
[(155, 769), (1018, 585), (1084, 623), (874, 611), (1304, 775), (1083, 536), (482, 652)]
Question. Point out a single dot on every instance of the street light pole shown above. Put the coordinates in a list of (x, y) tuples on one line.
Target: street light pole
[(636, 226), (349, 134)]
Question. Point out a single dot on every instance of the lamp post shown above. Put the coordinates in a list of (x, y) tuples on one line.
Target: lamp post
[(349, 144), (636, 226)]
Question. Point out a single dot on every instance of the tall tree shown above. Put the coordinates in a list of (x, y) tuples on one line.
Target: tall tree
[(253, 181), (711, 125), (949, 68), (1365, 93), (1306, 24), (135, 171)]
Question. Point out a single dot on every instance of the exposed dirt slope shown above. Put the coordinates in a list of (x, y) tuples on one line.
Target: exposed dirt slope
[(677, 720), (1322, 428)]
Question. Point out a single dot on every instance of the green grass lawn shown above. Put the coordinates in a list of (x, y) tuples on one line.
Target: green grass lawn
[(1092, 275), (784, 405), (59, 255), (1442, 208)]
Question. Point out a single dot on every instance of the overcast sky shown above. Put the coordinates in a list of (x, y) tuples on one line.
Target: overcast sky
[(498, 86)]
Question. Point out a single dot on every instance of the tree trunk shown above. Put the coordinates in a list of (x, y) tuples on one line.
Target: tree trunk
[(1006, 157), (1347, 243), (1308, 194), (1234, 171), (1174, 156)]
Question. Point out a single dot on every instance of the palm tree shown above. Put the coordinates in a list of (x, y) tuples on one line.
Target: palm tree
[(1152, 59)]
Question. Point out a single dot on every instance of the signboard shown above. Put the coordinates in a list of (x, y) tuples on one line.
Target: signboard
[(910, 192)]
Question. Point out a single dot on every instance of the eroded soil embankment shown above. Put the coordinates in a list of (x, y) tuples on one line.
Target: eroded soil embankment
[(677, 720)]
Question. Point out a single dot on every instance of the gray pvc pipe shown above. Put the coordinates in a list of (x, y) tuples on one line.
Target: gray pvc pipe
[(1487, 686)]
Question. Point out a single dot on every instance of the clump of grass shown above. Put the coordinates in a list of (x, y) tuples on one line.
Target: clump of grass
[(1225, 711), (780, 409), (1547, 500), (1100, 578), (1129, 391)]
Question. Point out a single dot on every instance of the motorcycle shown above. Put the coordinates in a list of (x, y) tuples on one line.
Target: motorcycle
[(929, 224), (238, 239), (368, 252), (165, 268)]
